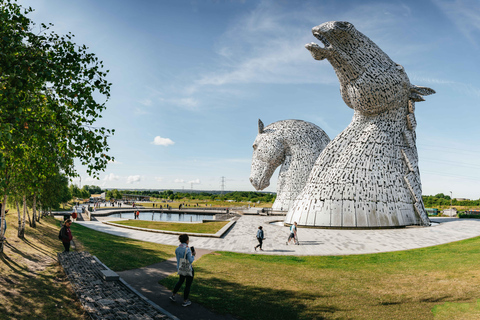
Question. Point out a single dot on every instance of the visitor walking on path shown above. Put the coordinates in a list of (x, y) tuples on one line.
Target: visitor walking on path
[(260, 238), (184, 252), (66, 235), (74, 215), (293, 234)]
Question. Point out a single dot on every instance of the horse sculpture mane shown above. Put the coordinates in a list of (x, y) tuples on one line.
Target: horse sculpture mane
[(368, 175), (294, 144)]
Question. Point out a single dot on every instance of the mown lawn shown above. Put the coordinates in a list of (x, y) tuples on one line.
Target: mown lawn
[(439, 282), (398, 285), (120, 253), (206, 227)]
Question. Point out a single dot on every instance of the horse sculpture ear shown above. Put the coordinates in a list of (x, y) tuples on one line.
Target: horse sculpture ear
[(260, 126)]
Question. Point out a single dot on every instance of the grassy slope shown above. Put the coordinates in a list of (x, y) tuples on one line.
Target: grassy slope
[(207, 227), (32, 283)]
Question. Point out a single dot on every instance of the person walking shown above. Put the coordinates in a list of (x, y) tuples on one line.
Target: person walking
[(74, 215), (66, 235), (184, 252), (293, 233), (260, 238)]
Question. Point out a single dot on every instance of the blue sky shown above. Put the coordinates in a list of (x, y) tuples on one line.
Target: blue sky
[(191, 79)]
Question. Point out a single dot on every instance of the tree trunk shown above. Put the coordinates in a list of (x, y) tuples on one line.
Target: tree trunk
[(34, 218), (23, 220), (35, 207), (21, 226), (25, 211), (2, 223)]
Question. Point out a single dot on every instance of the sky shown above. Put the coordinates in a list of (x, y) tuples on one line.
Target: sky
[(192, 78)]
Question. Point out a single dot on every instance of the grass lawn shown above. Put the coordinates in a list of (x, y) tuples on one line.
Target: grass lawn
[(440, 282), (206, 227), (120, 253), (398, 285), (32, 283)]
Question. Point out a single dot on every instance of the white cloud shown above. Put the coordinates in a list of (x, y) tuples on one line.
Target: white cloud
[(159, 141), (114, 162), (196, 181), (179, 181), (186, 103), (111, 177), (158, 179), (134, 179), (140, 111), (146, 102)]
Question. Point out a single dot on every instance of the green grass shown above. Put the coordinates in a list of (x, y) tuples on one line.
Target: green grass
[(206, 227), (464, 311), (120, 253), (32, 283), (397, 285), (438, 282)]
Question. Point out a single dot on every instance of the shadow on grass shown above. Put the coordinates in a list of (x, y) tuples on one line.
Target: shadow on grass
[(15, 267), (35, 247), (43, 296), (253, 301)]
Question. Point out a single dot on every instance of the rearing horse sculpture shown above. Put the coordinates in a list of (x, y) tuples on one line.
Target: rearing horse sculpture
[(368, 175), (294, 144)]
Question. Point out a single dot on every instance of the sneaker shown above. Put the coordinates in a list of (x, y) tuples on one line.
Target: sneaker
[(286, 243), (186, 303), (172, 298)]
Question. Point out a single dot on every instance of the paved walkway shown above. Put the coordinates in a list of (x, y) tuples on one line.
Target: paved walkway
[(241, 238)]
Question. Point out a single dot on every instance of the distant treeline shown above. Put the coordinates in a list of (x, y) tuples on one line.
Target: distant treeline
[(444, 200), (236, 195)]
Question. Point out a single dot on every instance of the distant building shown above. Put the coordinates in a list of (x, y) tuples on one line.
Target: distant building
[(462, 199), (450, 212), (135, 197)]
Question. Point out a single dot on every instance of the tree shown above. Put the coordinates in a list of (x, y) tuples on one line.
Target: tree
[(48, 91)]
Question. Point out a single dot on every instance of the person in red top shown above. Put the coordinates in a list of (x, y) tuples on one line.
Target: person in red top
[(66, 235), (74, 215), (137, 214)]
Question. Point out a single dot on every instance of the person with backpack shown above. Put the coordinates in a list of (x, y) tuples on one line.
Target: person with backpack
[(66, 235), (185, 257)]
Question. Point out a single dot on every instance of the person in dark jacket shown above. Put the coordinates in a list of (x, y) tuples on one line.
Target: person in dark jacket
[(66, 235), (260, 238)]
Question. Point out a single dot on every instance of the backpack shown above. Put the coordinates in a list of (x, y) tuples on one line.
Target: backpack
[(60, 234)]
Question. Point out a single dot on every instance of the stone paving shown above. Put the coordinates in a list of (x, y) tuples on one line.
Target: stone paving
[(241, 238), (105, 299)]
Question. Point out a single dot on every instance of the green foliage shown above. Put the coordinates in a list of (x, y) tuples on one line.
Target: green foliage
[(48, 91), (444, 200), (239, 196)]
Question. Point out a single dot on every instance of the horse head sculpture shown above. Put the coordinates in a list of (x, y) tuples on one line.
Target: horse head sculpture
[(294, 144)]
